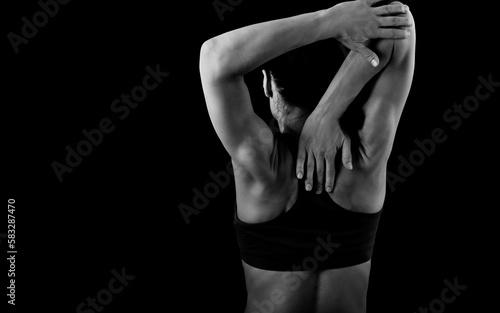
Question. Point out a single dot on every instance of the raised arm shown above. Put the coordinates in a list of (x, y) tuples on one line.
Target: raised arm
[(225, 59), (322, 136), (223, 63)]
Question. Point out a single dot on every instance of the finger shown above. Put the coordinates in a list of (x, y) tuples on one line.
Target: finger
[(330, 172), (346, 153), (320, 172), (301, 158), (395, 21), (391, 9), (392, 33), (369, 55), (310, 171)]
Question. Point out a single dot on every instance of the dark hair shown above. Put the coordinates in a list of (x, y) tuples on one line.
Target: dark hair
[(303, 75)]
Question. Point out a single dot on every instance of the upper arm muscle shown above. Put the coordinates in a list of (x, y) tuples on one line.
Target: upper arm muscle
[(244, 135), (388, 97)]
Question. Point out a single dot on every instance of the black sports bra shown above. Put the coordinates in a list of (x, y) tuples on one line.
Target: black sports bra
[(314, 234)]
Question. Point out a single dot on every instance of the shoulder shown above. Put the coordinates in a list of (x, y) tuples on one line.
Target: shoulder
[(265, 183), (253, 156), (268, 160)]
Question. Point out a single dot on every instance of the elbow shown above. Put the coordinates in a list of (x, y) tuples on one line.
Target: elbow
[(404, 49), (212, 60), (207, 57), (395, 50), (208, 50)]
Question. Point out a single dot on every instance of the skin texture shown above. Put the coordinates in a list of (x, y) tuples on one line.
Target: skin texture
[(263, 191), (322, 136), (339, 290), (361, 189)]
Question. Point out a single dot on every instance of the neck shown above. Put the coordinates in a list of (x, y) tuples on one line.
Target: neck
[(294, 124), (293, 130)]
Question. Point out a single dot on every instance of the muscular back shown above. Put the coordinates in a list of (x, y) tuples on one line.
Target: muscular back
[(359, 190)]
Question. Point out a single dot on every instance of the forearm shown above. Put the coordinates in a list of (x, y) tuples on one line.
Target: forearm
[(350, 79), (240, 51)]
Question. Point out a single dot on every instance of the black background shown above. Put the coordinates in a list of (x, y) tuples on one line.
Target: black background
[(119, 207)]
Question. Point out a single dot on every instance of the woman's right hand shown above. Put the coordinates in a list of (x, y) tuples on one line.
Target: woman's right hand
[(355, 22)]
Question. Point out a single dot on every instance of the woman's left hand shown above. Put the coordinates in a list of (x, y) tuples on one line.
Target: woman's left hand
[(319, 142)]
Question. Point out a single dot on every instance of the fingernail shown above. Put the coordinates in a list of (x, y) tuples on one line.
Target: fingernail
[(407, 8), (374, 63), (308, 187), (328, 189), (299, 175), (349, 165)]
